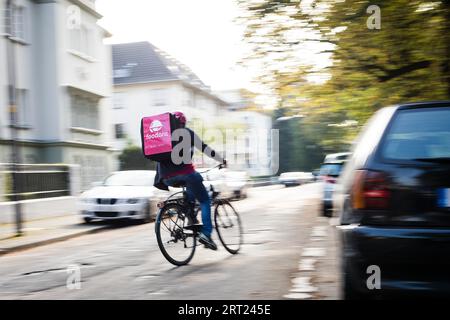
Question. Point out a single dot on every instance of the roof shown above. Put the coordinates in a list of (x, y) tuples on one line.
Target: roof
[(423, 104), (142, 62)]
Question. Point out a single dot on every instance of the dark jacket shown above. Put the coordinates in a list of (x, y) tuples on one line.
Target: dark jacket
[(168, 168)]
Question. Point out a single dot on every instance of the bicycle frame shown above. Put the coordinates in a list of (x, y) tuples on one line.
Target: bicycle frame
[(183, 192)]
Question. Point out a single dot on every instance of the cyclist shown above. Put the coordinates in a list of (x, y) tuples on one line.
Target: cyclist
[(170, 174)]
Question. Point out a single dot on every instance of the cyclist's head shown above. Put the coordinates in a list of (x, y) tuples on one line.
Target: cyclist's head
[(180, 117)]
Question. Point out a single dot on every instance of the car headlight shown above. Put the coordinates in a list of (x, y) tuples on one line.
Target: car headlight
[(87, 200)]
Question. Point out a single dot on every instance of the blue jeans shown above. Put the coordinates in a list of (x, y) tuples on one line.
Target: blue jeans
[(196, 190)]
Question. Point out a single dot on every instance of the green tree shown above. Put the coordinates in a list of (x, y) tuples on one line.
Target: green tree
[(408, 59), (297, 150)]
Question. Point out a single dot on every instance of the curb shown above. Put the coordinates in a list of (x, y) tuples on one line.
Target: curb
[(41, 243)]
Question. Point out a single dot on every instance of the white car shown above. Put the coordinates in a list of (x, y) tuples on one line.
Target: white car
[(295, 178), (122, 195), (214, 178), (237, 183), (230, 184)]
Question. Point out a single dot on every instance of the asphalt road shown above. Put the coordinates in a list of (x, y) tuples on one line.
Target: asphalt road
[(288, 253)]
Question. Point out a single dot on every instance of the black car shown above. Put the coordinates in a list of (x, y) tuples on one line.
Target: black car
[(393, 201)]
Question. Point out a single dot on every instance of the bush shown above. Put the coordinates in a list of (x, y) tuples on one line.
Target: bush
[(132, 158)]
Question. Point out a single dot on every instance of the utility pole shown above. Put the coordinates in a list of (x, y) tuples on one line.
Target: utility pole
[(11, 60)]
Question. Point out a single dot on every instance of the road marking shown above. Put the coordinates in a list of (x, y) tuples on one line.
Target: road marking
[(299, 296), (158, 293), (303, 285), (307, 265), (319, 231), (314, 252)]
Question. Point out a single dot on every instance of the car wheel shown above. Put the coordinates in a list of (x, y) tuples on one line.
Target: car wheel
[(87, 220), (326, 211)]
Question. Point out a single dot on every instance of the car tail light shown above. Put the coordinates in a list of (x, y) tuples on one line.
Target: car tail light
[(370, 190)]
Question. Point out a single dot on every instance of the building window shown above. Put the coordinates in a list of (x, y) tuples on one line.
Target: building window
[(119, 100), (81, 40), (23, 110), (119, 130), (84, 113), (187, 98), (18, 22), (159, 97)]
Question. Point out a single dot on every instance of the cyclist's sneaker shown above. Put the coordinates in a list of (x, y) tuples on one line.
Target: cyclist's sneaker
[(207, 241), (192, 223)]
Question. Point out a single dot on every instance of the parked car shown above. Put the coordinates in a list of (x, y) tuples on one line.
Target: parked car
[(230, 184), (393, 201), (237, 183), (122, 195), (316, 174), (216, 179), (295, 178), (329, 173)]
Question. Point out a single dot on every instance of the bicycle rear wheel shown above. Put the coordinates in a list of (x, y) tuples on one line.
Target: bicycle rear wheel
[(228, 226), (176, 244)]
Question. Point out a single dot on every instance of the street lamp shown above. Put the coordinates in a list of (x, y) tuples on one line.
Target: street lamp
[(12, 109)]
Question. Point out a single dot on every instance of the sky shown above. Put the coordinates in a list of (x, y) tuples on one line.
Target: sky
[(200, 33)]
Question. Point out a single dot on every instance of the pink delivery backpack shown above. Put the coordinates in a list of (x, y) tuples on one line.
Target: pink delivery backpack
[(156, 136)]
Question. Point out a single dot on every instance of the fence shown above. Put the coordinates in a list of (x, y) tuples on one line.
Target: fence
[(36, 181)]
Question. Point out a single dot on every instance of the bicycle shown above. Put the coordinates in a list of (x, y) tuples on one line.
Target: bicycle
[(171, 233)]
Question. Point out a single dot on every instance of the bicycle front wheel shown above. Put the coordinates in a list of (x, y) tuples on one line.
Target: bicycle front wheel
[(228, 226), (176, 244)]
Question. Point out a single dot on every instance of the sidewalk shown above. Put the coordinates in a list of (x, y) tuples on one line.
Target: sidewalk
[(42, 232)]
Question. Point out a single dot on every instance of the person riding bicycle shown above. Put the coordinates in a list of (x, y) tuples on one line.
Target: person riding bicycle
[(169, 173)]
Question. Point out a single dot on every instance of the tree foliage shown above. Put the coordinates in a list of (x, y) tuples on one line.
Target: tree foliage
[(132, 158), (407, 59)]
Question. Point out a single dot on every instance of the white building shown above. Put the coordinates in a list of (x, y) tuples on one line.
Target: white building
[(257, 155), (64, 85), (147, 81)]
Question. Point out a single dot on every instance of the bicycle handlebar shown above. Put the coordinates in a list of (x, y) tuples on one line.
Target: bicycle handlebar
[(220, 166)]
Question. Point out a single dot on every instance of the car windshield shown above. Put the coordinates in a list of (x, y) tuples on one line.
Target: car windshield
[(419, 134), (131, 178), (331, 169)]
